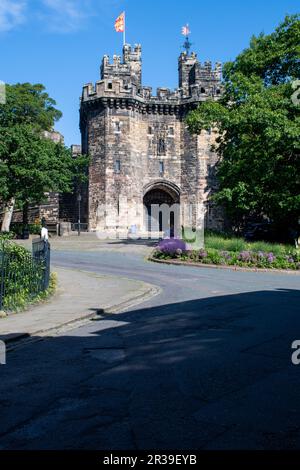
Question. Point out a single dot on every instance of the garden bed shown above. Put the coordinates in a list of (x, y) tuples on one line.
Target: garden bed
[(239, 253)]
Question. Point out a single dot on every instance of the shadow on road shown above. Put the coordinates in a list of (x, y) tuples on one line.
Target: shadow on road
[(212, 373)]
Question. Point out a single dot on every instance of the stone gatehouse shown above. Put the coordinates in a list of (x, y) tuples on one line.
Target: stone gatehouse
[(142, 154)]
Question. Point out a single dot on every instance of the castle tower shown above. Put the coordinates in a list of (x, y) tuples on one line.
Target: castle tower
[(129, 70), (142, 154), (186, 70)]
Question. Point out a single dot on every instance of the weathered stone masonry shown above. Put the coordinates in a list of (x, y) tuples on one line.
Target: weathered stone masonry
[(140, 148)]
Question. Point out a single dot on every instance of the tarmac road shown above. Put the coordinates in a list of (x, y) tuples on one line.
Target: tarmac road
[(206, 364)]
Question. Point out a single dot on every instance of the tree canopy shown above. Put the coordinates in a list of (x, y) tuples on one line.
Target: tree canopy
[(30, 163), (259, 128), (29, 104), (33, 164)]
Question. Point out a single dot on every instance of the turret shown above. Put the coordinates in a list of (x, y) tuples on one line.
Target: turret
[(130, 70), (197, 78), (186, 66)]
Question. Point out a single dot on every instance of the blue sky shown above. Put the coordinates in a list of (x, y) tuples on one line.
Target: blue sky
[(60, 43)]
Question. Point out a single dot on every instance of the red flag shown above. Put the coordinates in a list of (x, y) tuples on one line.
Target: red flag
[(120, 23)]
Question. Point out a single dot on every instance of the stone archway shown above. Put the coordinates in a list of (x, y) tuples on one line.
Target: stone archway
[(161, 208)]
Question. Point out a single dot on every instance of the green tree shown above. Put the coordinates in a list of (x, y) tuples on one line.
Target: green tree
[(30, 163), (259, 129), (29, 104)]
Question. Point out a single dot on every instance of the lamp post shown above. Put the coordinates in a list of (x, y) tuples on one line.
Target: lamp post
[(79, 201)]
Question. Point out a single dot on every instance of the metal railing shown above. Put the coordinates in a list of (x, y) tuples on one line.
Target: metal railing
[(41, 256), (23, 275)]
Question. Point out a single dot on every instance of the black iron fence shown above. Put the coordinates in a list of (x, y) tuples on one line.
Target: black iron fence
[(23, 275), (41, 257)]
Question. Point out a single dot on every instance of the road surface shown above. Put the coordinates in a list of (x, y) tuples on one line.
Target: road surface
[(206, 364)]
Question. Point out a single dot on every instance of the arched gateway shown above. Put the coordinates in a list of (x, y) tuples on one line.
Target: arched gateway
[(161, 207)]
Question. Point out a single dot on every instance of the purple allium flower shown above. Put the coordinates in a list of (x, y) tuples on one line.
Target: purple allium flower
[(202, 253), (291, 259), (260, 254), (170, 245), (226, 255), (271, 257), (244, 256)]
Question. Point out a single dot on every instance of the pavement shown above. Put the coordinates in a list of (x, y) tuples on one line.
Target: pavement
[(205, 364), (80, 295)]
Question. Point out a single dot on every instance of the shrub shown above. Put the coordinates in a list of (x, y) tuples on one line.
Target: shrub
[(202, 254), (21, 276), (247, 258), (172, 247), (19, 252), (35, 229), (17, 229), (6, 235)]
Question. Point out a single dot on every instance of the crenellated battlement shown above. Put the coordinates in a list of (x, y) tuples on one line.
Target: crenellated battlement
[(192, 73), (121, 80), (132, 53), (129, 69), (114, 88)]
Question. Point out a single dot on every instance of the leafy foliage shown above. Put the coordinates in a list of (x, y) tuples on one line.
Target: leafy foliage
[(21, 277), (33, 164), (222, 242), (17, 228), (30, 163), (6, 235), (246, 258), (259, 129), (225, 249), (28, 104)]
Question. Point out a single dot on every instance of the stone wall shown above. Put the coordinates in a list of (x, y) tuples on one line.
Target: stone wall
[(138, 140), (68, 202), (50, 209)]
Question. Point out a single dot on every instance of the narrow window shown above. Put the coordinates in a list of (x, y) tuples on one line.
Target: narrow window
[(160, 221), (202, 90), (109, 86), (117, 166), (150, 130), (161, 147), (161, 168), (117, 126), (171, 130)]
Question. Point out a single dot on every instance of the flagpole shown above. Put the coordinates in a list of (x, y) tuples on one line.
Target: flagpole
[(124, 32)]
